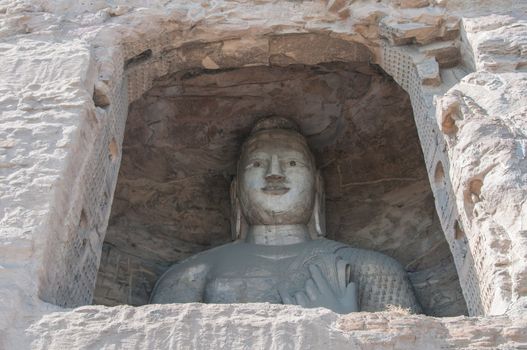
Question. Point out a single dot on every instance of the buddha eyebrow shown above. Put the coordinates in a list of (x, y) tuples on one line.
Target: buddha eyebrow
[(287, 155), (257, 155), (294, 154)]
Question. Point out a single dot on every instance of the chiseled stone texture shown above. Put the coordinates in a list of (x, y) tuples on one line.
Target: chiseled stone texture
[(265, 326), (70, 69), (487, 145)]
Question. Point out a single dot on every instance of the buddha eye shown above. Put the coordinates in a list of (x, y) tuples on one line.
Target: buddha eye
[(257, 164), (292, 163)]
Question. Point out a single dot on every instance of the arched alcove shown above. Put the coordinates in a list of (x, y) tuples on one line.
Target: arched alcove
[(145, 64), (180, 148)]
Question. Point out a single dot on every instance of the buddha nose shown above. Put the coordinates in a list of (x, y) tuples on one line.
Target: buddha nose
[(274, 172)]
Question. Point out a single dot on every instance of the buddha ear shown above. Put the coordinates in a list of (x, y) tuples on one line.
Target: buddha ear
[(317, 223), (238, 223)]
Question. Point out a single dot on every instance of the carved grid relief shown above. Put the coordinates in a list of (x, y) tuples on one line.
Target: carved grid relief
[(402, 68), (87, 224)]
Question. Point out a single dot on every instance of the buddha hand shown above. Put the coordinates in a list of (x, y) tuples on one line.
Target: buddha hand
[(319, 293)]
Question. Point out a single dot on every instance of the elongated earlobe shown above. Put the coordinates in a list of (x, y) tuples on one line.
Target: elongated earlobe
[(317, 223), (238, 223)]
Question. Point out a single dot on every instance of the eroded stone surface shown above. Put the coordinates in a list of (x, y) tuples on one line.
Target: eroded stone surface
[(65, 47), (266, 326), (495, 125)]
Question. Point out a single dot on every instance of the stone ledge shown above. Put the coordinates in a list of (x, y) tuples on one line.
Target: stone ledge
[(263, 326)]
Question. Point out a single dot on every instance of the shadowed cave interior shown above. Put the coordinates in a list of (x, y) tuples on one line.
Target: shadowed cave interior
[(182, 142)]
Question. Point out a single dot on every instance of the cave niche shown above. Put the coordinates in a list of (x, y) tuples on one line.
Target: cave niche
[(180, 149)]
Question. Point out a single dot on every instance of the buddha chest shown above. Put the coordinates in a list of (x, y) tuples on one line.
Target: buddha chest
[(256, 281), (262, 272)]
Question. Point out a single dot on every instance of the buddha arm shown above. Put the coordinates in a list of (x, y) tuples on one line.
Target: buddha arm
[(382, 281), (182, 283)]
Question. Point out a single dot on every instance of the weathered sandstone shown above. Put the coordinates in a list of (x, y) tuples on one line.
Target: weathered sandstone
[(71, 72)]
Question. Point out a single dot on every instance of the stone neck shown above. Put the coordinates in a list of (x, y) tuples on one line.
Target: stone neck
[(277, 234)]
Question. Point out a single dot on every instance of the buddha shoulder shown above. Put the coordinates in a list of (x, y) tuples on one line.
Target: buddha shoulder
[(185, 281)]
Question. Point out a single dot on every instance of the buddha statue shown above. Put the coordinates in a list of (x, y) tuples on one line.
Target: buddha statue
[(279, 254)]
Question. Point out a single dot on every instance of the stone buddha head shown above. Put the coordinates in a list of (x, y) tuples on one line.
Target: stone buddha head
[(277, 182)]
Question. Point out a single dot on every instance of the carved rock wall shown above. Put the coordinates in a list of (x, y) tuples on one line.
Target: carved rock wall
[(70, 69), (267, 326)]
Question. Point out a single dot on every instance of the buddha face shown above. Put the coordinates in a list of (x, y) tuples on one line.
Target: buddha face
[(276, 179)]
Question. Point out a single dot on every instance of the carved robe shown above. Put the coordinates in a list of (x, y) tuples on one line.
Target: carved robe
[(239, 273)]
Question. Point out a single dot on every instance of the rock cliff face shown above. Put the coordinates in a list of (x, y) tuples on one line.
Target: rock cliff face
[(71, 70), (265, 326)]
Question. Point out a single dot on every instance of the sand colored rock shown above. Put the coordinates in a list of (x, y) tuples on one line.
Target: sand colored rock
[(71, 70), (267, 326)]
